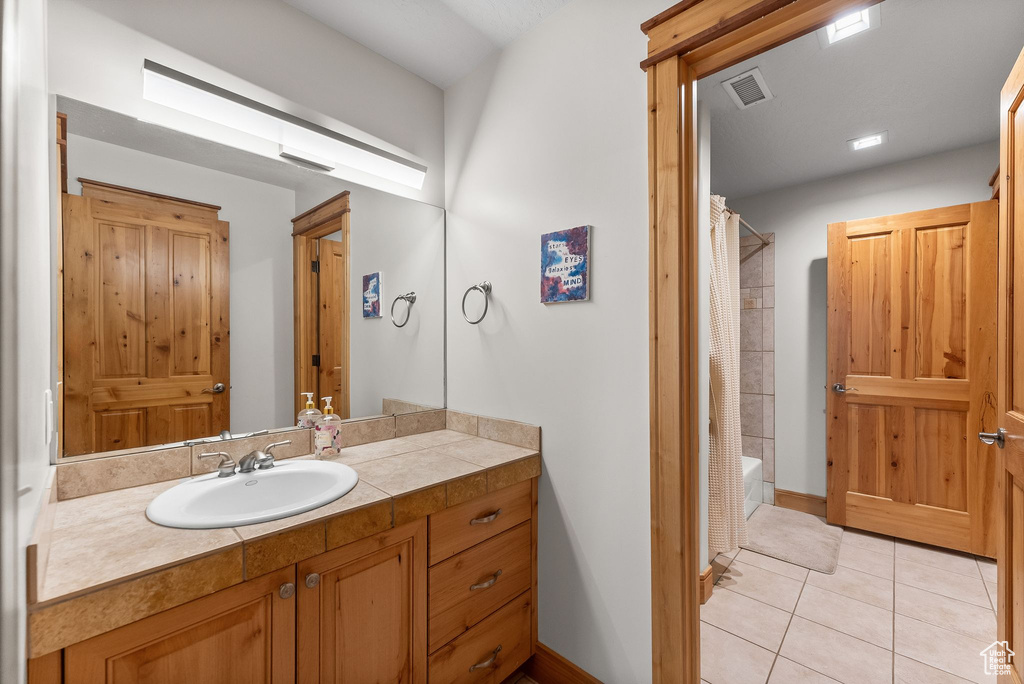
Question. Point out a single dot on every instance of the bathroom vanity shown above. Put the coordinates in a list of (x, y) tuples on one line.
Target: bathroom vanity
[(426, 571)]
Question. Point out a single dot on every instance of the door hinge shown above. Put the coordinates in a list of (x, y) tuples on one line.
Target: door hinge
[(316, 360), (314, 266)]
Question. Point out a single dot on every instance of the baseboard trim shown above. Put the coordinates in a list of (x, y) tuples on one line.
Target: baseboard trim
[(707, 584), (805, 503), (548, 667)]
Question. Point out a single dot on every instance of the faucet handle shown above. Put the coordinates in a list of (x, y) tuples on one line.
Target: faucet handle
[(266, 461), (226, 467), (267, 448)]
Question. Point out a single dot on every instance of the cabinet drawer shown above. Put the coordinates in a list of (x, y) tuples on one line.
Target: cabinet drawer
[(471, 585), (490, 651), (462, 526)]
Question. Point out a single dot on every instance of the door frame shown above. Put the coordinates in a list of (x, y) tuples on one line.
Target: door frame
[(328, 217), (688, 41)]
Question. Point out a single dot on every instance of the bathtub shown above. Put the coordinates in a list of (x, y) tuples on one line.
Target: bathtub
[(752, 480)]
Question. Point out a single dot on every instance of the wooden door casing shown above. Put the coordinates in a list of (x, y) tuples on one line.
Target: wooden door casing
[(1010, 392), (308, 232), (911, 334), (146, 324), (365, 620), (241, 635), (333, 327)]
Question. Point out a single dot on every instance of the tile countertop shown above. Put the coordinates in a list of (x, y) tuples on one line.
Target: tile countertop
[(105, 539)]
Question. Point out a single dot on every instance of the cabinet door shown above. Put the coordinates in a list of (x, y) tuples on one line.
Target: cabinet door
[(365, 617), (244, 635)]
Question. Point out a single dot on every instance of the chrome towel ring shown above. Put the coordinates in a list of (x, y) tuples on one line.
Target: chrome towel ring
[(409, 298), (485, 289)]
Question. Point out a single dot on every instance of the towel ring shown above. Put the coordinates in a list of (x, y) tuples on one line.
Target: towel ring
[(485, 289), (409, 298)]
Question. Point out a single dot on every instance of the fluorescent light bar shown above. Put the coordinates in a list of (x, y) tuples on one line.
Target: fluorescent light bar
[(304, 140), (873, 140), (305, 158)]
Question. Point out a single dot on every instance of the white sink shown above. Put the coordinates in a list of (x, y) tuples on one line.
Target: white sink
[(289, 488)]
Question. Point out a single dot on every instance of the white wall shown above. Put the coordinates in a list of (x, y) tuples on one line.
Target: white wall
[(264, 49), (799, 217), (25, 135), (404, 241), (550, 134), (260, 266)]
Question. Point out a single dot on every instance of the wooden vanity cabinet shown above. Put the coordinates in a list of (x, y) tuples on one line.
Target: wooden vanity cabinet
[(450, 598), (363, 610), (241, 635)]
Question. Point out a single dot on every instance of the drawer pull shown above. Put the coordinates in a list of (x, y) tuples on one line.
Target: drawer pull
[(488, 583), (488, 662), (486, 519)]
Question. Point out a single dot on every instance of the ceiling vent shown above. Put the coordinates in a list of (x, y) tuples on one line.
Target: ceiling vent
[(748, 89)]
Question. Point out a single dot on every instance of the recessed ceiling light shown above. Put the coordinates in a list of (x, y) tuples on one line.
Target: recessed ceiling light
[(849, 25), (873, 140)]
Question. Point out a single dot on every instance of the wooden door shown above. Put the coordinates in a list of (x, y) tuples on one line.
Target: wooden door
[(365, 617), (145, 306), (241, 635), (911, 345), (1011, 369), (334, 322)]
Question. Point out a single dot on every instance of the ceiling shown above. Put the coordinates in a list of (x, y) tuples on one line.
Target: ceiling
[(930, 75), (438, 40)]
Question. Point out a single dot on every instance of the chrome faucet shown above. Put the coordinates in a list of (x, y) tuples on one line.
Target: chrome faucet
[(226, 467), (264, 460)]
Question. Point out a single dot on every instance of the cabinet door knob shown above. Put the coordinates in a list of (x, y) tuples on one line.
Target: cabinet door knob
[(287, 590), (312, 579)]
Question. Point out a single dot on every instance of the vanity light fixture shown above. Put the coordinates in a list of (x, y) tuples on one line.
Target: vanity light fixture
[(849, 25), (873, 140), (298, 139)]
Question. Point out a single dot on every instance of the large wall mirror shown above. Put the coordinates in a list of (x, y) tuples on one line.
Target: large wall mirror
[(202, 288)]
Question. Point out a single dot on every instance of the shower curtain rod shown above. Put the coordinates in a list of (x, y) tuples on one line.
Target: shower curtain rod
[(760, 237)]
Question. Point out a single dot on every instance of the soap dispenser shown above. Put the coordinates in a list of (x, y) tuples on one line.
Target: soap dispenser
[(309, 415), (326, 435)]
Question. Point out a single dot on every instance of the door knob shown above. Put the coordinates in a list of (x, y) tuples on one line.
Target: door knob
[(216, 389), (998, 437), (312, 579), (287, 590), (840, 388)]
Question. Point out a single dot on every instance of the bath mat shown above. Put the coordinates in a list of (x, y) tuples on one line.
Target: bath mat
[(794, 537)]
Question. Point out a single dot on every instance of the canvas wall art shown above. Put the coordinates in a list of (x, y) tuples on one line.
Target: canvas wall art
[(565, 265), (371, 295)]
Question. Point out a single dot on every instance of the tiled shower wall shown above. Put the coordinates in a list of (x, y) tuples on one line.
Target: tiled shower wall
[(757, 355)]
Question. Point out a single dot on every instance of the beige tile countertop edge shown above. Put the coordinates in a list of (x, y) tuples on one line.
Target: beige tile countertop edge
[(470, 479)]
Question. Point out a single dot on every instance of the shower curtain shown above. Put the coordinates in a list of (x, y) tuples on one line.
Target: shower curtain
[(727, 525)]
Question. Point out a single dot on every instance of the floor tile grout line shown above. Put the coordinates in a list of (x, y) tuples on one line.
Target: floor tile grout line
[(979, 576), (733, 634), (792, 614), (854, 598), (763, 603), (991, 602)]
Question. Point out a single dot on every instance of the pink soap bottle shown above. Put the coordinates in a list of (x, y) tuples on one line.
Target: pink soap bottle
[(326, 433)]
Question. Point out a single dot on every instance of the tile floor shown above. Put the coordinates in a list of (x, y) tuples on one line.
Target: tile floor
[(894, 612)]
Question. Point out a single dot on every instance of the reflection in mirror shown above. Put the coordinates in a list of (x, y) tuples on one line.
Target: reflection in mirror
[(205, 287)]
